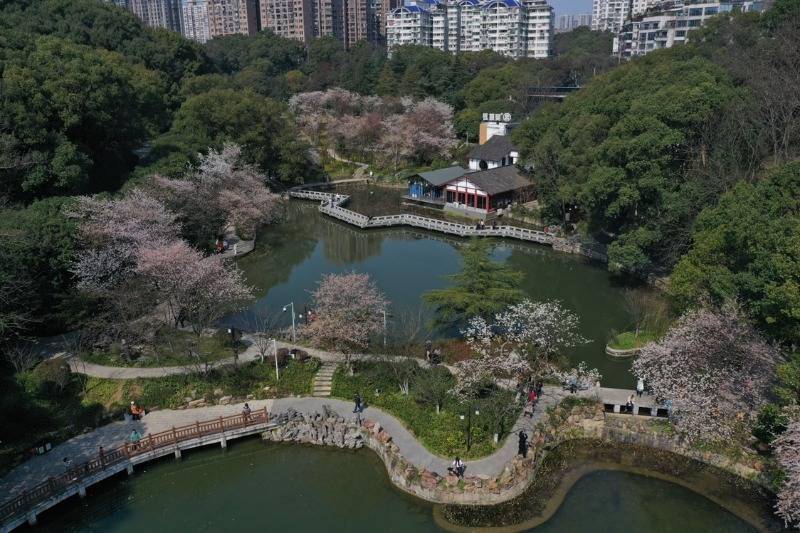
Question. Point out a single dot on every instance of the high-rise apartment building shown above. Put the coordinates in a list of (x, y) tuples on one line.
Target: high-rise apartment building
[(230, 17), (513, 28), (195, 20), (669, 23), (293, 19), (611, 15), (570, 22), (358, 21), (157, 13)]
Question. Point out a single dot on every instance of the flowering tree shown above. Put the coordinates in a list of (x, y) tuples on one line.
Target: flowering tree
[(112, 232), (221, 191), (198, 289), (714, 367), (393, 129), (787, 452), (539, 331), (348, 312)]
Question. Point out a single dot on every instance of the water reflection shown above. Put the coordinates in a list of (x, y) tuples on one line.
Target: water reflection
[(290, 258)]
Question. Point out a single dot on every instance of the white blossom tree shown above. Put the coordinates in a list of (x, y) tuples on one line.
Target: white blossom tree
[(714, 367), (348, 312), (787, 452)]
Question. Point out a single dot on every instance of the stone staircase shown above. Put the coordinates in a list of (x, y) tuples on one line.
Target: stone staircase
[(323, 380)]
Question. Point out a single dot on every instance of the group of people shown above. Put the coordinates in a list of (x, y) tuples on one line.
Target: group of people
[(432, 355), (532, 396), (482, 225)]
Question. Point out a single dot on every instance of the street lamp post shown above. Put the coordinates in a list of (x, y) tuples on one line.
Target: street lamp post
[(275, 353), (468, 428), (294, 334)]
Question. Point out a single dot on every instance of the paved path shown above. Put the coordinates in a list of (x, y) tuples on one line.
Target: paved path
[(85, 447)]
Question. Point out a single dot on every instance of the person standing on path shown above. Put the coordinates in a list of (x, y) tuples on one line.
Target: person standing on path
[(640, 387), (523, 444), (358, 405)]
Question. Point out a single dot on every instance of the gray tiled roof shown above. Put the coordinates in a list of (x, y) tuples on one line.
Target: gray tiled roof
[(443, 175), (499, 180), (495, 149)]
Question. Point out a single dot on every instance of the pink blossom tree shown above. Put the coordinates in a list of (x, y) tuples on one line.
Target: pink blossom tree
[(787, 452), (348, 313), (714, 367), (192, 287), (112, 231), (221, 191)]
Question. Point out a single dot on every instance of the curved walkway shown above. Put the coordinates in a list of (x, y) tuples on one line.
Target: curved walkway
[(85, 447)]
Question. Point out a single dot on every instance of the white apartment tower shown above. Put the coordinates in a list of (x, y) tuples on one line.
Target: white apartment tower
[(408, 25), (157, 13), (195, 20), (514, 28), (671, 23), (611, 15)]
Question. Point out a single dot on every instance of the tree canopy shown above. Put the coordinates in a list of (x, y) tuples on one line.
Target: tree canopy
[(747, 248)]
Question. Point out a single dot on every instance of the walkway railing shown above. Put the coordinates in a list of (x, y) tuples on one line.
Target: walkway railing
[(170, 438), (332, 205)]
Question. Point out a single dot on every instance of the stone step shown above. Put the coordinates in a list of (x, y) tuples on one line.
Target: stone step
[(322, 389)]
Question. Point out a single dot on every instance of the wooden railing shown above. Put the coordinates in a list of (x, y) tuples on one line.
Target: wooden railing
[(170, 438)]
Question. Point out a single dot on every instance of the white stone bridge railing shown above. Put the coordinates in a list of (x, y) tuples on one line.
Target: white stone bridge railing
[(332, 204)]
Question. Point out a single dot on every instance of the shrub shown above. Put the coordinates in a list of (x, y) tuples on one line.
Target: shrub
[(52, 376)]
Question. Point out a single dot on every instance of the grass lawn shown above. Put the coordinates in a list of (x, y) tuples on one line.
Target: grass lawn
[(443, 433), (172, 391), (171, 348), (628, 340)]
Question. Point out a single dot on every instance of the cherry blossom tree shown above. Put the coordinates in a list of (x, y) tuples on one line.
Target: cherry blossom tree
[(348, 310), (787, 452), (714, 367), (112, 232), (198, 289), (221, 191)]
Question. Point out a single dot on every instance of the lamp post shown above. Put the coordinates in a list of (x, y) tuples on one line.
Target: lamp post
[(384, 328), (235, 336), (468, 428), (275, 353), (294, 334)]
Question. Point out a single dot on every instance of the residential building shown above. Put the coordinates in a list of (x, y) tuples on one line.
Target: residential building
[(408, 25), (567, 23), (380, 14), (293, 19), (157, 13), (195, 20), (230, 17), (611, 15), (329, 18), (670, 23), (514, 28), (358, 21)]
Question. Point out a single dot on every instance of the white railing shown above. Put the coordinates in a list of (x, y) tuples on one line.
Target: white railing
[(331, 205)]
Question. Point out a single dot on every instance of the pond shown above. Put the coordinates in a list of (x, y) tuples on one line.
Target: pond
[(258, 487), (291, 256)]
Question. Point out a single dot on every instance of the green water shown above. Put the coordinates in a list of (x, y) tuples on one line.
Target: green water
[(258, 487), (290, 258)]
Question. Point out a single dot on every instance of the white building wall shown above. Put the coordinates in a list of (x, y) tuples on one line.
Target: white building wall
[(195, 20)]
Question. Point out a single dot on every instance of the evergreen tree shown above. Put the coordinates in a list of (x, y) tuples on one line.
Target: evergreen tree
[(482, 288)]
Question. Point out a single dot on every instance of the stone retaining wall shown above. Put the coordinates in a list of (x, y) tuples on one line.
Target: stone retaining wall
[(563, 424), (330, 429)]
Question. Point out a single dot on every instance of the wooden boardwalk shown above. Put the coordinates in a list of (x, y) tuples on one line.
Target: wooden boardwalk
[(25, 507), (332, 204)]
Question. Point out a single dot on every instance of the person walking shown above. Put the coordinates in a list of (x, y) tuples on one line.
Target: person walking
[(523, 444), (639, 387), (358, 406)]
